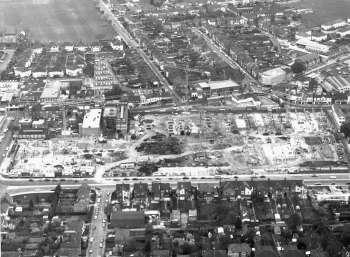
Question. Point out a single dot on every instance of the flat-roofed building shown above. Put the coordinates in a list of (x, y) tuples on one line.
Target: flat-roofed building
[(313, 46), (115, 119), (51, 91), (273, 77), (222, 87), (91, 123)]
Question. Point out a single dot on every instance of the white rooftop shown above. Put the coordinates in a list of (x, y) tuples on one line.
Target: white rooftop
[(92, 119), (307, 42), (274, 72), (214, 85), (51, 89)]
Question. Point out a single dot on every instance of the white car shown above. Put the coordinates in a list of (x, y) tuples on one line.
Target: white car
[(91, 239), (101, 245)]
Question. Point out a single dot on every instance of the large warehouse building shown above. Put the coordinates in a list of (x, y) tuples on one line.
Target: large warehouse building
[(91, 123)]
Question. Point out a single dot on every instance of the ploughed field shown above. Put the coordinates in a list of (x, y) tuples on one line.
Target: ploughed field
[(55, 20)]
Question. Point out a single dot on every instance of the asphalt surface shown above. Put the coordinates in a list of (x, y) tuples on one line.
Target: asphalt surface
[(108, 185), (98, 228)]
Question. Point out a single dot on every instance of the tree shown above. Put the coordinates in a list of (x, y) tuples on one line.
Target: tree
[(148, 169), (345, 236), (301, 245), (238, 223), (313, 84), (157, 3), (147, 248), (294, 221), (115, 91), (31, 204), (334, 247), (58, 190), (345, 129), (298, 67), (130, 246)]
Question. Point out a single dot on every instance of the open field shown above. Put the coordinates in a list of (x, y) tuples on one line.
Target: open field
[(55, 20)]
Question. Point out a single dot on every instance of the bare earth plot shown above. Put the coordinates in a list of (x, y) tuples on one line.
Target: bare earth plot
[(55, 20)]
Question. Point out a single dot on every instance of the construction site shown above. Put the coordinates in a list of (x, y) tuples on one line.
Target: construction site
[(60, 157), (241, 143), (228, 143)]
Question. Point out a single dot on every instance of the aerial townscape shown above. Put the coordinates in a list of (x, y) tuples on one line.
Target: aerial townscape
[(171, 128)]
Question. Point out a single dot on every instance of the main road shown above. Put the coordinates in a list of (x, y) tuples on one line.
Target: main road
[(98, 227), (125, 35), (18, 186)]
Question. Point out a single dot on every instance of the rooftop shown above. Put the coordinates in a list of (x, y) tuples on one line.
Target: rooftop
[(307, 42), (51, 89), (274, 72), (215, 85), (308, 57), (92, 119), (118, 111)]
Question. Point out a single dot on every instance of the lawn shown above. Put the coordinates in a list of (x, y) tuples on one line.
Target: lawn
[(55, 20)]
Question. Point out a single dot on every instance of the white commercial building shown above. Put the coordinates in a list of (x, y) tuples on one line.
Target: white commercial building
[(313, 46), (221, 88), (273, 77), (51, 91), (91, 123)]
